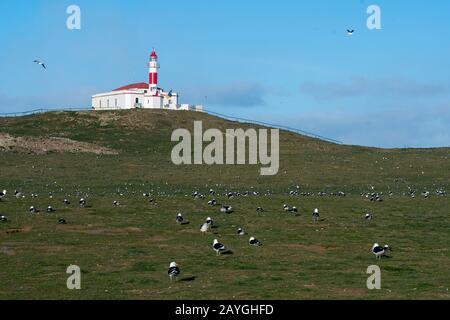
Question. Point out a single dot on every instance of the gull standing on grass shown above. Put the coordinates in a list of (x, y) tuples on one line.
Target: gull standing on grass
[(174, 271), (218, 247)]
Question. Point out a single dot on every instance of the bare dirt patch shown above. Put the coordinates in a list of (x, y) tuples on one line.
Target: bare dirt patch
[(8, 251), (42, 145), (104, 231), (348, 292), (19, 230)]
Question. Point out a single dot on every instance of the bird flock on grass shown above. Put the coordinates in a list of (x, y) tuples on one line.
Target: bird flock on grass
[(208, 224)]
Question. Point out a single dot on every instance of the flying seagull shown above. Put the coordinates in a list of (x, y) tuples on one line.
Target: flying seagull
[(40, 63), (218, 247), (350, 32), (173, 271)]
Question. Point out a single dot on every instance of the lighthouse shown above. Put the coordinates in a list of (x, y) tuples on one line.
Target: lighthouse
[(142, 95), (153, 72)]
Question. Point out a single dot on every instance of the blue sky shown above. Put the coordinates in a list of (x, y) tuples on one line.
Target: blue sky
[(285, 62)]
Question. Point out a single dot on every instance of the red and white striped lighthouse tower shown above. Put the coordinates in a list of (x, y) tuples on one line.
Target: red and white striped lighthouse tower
[(153, 71)]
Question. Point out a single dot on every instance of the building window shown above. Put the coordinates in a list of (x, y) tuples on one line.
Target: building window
[(137, 100), (100, 103), (116, 103), (107, 103)]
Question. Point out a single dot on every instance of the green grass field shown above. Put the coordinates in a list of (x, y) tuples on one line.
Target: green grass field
[(124, 251)]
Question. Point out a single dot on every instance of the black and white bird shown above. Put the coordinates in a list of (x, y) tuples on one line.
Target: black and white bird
[(254, 242), (350, 32), (259, 210), (40, 63), (174, 271), (33, 210), (212, 202), (18, 194), (2, 194), (62, 221), (226, 209), (316, 215), (50, 209), (241, 232), (218, 247), (290, 209), (179, 218), (3, 219), (116, 203), (66, 202), (369, 216), (380, 251), (82, 202), (205, 228)]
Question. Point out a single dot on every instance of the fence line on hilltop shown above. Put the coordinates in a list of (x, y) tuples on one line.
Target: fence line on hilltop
[(276, 126), (231, 118)]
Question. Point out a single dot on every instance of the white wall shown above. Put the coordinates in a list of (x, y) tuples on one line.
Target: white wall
[(116, 100), (126, 100)]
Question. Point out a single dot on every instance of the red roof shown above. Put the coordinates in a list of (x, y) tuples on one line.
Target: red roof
[(153, 55), (140, 85)]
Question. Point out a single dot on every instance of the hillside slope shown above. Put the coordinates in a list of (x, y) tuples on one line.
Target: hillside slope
[(124, 250), (142, 139)]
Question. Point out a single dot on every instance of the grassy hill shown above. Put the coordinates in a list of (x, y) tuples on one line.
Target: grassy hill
[(124, 251)]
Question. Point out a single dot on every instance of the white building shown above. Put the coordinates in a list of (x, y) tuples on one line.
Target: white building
[(142, 95)]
